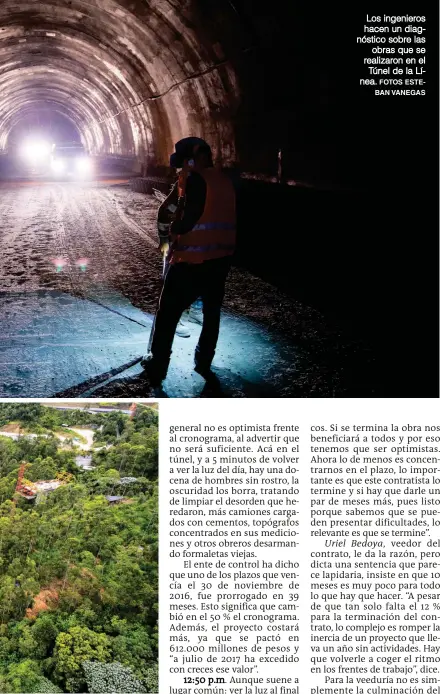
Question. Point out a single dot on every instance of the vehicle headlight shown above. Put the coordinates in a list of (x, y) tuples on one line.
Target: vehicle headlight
[(83, 165), (35, 151), (58, 166)]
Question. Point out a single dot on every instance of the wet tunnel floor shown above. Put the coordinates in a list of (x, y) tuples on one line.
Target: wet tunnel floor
[(80, 278)]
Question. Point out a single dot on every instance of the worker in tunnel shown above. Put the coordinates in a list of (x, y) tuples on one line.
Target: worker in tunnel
[(165, 216), (199, 247)]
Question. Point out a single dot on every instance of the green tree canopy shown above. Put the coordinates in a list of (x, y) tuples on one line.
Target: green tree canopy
[(75, 647), (111, 677)]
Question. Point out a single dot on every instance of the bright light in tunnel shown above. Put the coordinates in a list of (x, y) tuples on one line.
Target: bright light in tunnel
[(35, 151), (83, 165), (58, 166)]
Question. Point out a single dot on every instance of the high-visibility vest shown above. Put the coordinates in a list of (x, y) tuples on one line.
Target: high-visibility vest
[(214, 235)]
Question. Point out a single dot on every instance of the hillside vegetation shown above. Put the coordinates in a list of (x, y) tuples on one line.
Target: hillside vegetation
[(78, 574)]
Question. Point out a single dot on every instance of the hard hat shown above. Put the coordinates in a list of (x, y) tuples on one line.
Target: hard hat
[(185, 149)]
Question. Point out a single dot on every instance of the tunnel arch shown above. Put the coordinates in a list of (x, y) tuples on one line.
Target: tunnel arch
[(133, 76)]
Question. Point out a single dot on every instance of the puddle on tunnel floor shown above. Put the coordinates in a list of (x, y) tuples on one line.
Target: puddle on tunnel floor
[(52, 341)]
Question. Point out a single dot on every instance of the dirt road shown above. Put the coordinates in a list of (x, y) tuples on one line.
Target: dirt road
[(88, 434), (76, 256), (69, 223)]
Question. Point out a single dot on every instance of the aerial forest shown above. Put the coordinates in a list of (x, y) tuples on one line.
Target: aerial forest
[(78, 549)]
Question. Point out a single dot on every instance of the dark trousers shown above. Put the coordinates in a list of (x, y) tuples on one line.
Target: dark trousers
[(184, 283)]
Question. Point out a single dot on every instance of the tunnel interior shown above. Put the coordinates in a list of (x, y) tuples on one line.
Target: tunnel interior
[(262, 84), (135, 76), (131, 77)]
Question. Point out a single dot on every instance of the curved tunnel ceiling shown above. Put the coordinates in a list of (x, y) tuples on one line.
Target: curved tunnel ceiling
[(132, 76)]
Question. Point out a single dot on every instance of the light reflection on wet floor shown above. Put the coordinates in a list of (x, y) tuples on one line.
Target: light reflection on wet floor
[(52, 341)]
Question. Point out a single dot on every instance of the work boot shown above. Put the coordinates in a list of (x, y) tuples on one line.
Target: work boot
[(182, 330), (204, 371), (195, 313), (202, 363), (203, 367), (154, 372)]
